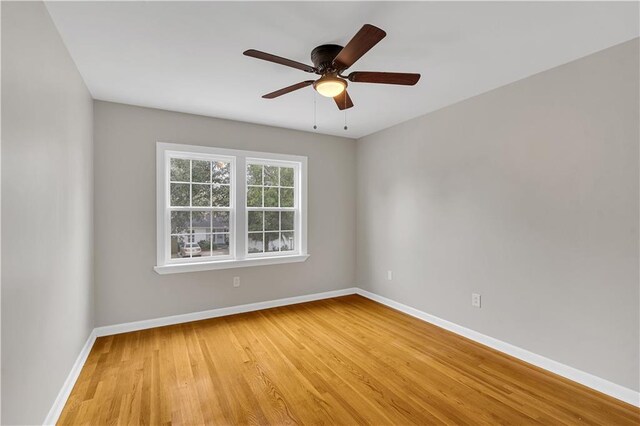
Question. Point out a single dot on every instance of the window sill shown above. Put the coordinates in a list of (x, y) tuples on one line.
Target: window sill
[(227, 264)]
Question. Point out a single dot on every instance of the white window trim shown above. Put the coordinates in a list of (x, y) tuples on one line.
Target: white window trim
[(238, 222)]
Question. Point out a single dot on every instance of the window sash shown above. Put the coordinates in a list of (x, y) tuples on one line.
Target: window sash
[(280, 231), (210, 232)]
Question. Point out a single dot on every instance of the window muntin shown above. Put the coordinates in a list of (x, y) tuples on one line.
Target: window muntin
[(272, 208), (200, 208)]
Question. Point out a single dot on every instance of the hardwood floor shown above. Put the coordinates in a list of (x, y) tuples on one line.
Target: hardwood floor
[(345, 361)]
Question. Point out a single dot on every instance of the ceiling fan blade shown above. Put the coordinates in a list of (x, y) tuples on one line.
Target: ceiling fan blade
[(365, 39), (402, 78), (288, 89), (278, 60), (343, 100)]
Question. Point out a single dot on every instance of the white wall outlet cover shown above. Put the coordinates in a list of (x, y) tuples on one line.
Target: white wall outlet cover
[(236, 281), (475, 300), (389, 275)]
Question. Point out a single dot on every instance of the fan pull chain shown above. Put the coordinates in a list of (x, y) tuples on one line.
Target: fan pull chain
[(345, 115), (315, 126)]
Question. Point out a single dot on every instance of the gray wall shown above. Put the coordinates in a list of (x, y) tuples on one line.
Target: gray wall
[(127, 288), (47, 185), (527, 195)]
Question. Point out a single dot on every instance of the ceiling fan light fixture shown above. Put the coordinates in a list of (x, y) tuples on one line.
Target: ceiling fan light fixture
[(330, 85)]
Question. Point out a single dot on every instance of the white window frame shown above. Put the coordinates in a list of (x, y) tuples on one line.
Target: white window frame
[(238, 221)]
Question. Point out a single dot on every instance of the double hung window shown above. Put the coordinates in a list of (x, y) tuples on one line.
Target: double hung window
[(221, 208)]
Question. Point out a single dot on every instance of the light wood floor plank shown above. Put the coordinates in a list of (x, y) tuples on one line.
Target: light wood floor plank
[(346, 361)]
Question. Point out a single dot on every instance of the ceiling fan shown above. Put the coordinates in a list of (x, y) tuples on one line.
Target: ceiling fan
[(331, 60)]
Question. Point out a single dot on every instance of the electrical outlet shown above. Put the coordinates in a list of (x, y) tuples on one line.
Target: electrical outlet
[(389, 275), (475, 300), (236, 281)]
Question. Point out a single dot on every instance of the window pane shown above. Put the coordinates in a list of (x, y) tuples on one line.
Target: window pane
[(220, 222), (220, 196), (287, 243), (272, 241), (220, 245), (255, 221), (254, 174), (271, 176), (177, 244), (255, 243), (189, 247), (205, 245), (180, 222), (286, 197), (200, 224), (254, 196), (271, 197), (271, 221), (200, 171), (201, 196), (180, 194), (286, 176), (286, 221), (180, 170), (221, 172)]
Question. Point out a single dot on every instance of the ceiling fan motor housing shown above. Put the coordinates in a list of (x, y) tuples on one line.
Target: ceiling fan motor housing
[(322, 57)]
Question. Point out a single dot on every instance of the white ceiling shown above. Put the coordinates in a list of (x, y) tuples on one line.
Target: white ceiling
[(187, 56)]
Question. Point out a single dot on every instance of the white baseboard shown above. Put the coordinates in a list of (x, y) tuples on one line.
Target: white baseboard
[(601, 385), (594, 382), (67, 387), (220, 312)]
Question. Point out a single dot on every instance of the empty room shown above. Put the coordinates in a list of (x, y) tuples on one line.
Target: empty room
[(320, 213)]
